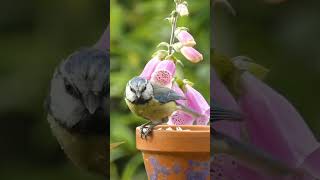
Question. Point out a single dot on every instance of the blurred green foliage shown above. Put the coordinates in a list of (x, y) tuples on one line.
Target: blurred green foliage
[(34, 37), (283, 37), (137, 27)]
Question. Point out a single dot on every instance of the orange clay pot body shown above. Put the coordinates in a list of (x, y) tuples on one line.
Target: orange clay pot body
[(176, 155)]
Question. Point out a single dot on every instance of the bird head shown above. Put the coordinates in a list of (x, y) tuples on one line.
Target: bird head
[(79, 90), (139, 90)]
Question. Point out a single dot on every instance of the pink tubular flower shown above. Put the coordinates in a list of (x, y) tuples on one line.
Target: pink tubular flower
[(177, 89), (180, 118), (191, 54), (164, 73), (185, 38), (272, 124), (150, 67), (197, 103), (221, 96)]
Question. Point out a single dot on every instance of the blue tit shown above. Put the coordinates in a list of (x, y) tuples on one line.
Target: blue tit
[(152, 102), (78, 109)]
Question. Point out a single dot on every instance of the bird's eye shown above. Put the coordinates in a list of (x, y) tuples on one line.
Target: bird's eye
[(131, 89), (144, 88), (71, 90)]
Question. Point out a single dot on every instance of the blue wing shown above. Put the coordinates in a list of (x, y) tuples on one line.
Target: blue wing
[(165, 95)]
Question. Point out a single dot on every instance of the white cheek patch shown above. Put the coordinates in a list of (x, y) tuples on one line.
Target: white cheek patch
[(148, 93), (130, 95), (63, 106), (146, 96)]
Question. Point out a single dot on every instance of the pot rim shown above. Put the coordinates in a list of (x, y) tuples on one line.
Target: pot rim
[(195, 140)]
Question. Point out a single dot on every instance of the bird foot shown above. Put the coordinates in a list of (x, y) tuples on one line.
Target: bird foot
[(143, 130), (146, 129)]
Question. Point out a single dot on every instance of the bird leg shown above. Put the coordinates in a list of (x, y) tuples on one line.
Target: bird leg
[(147, 128), (142, 127)]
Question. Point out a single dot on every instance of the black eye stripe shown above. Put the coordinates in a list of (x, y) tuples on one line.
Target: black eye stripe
[(73, 91), (131, 89)]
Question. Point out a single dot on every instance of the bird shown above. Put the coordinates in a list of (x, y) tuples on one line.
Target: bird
[(152, 102), (78, 111)]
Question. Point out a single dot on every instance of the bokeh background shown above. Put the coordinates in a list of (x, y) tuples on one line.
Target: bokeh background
[(34, 37), (283, 36), (137, 27)]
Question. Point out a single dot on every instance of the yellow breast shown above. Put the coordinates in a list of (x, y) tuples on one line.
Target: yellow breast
[(152, 110)]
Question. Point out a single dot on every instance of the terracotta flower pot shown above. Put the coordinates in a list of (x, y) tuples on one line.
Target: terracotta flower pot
[(176, 154)]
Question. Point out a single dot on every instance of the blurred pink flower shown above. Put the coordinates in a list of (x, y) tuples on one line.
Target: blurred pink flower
[(198, 104), (191, 54), (179, 91), (164, 73), (272, 124), (180, 118), (168, 65), (221, 96), (150, 67), (185, 37)]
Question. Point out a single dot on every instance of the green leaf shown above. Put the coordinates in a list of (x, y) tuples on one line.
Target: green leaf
[(181, 28), (245, 63), (227, 72), (114, 171), (177, 46), (114, 145), (179, 62), (186, 81), (161, 53), (132, 166), (173, 13), (163, 44), (117, 154), (179, 75)]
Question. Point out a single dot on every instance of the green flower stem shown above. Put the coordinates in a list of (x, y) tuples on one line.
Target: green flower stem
[(173, 29)]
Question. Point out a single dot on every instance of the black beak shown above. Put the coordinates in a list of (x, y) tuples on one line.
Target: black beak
[(138, 95), (91, 102)]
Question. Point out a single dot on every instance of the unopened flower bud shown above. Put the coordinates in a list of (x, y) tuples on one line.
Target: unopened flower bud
[(185, 37), (191, 54), (182, 9)]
